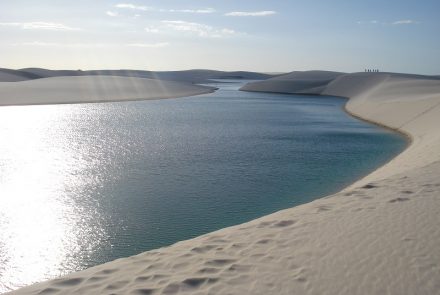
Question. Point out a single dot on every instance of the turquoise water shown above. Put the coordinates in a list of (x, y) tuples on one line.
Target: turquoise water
[(85, 184)]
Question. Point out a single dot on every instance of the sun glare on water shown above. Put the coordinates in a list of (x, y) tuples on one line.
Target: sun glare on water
[(39, 222)]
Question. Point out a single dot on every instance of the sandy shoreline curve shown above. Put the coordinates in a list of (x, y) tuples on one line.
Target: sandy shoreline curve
[(380, 235), (88, 89)]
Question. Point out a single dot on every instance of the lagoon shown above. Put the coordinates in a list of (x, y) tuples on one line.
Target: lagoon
[(85, 184)]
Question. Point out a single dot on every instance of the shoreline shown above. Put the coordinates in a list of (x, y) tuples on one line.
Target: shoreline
[(90, 101), (377, 235), (409, 139)]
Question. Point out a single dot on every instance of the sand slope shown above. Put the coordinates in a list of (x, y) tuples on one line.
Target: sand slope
[(379, 236), (191, 76), (305, 82), (92, 89)]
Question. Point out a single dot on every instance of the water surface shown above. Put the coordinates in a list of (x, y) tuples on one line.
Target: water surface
[(85, 184)]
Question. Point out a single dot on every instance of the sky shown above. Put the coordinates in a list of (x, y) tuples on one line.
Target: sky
[(255, 35)]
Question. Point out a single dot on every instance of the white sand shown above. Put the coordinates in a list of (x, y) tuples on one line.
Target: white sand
[(379, 236), (93, 89), (305, 82), (189, 76)]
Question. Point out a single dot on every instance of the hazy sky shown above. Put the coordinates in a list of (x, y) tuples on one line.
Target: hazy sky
[(282, 35)]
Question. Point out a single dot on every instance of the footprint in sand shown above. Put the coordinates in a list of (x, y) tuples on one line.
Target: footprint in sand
[(398, 200)]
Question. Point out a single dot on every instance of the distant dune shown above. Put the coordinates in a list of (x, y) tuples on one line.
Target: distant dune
[(325, 82), (43, 86), (192, 76), (304, 82), (84, 89), (7, 75), (309, 75)]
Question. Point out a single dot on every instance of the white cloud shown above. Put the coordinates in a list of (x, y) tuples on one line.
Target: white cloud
[(112, 13), (64, 45), (152, 30), (148, 8), (202, 11), (198, 29), (132, 6), (39, 26), (373, 22), (37, 43), (251, 13), (405, 22), (399, 22), (90, 45), (228, 31), (149, 45)]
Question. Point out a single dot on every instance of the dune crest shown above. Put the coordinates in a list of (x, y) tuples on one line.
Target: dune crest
[(378, 236)]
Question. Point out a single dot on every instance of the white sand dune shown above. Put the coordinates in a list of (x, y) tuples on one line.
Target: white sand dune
[(305, 82), (309, 75), (84, 89), (379, 236), (189, 76)]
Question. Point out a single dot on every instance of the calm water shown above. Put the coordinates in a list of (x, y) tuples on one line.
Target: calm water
[(85, 184)]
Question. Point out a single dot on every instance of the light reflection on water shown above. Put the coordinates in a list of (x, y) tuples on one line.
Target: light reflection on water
[(42, 220), (85, 184)]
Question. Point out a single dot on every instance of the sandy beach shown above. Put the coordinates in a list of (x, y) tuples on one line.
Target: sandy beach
[(85, 89), (378, 236)]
